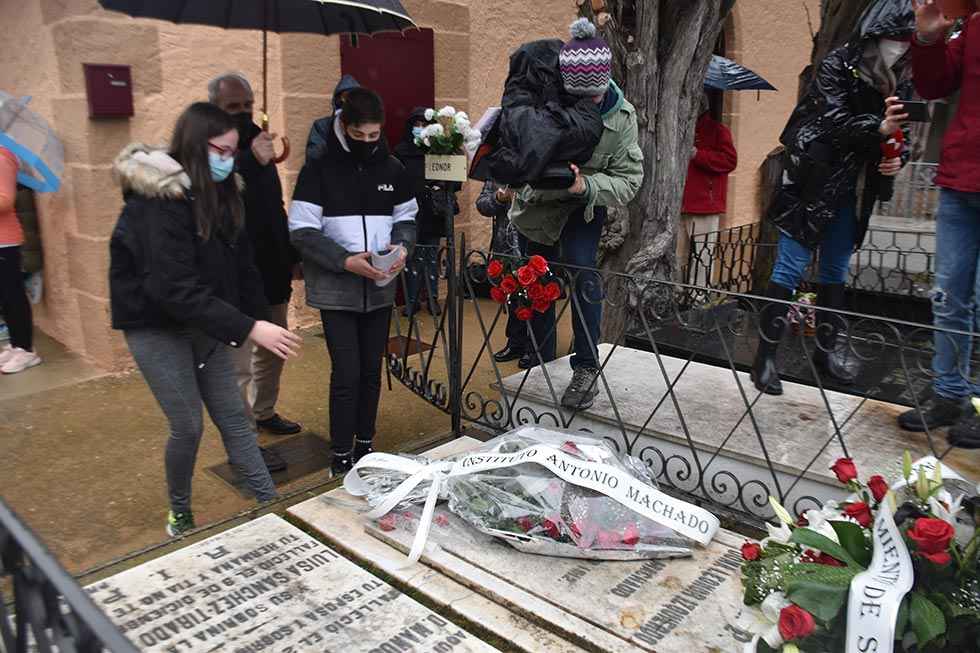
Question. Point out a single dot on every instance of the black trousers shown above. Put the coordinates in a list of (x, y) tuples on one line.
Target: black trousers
[(357, 344), (14, 306)]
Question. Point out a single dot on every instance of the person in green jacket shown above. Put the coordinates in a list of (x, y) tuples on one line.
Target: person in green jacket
[(564, 226)]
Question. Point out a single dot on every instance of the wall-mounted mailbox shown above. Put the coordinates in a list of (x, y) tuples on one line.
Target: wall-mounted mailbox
[(110, 90)]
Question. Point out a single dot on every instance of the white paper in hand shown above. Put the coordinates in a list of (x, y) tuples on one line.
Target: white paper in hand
[(384, 262)]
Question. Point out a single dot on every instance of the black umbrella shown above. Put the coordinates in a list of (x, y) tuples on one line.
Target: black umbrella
[(280, 16), (726, 75)]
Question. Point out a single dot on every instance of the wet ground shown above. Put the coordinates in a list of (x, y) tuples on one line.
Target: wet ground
[(82, 453)]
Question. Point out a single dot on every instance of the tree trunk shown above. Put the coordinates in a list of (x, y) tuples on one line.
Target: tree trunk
[(838, 20), (661, 50)]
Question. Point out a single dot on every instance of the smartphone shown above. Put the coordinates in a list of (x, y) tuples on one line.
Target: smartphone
[(917, 110)]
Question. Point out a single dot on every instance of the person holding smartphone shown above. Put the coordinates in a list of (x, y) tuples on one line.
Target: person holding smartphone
[(835, 172), (941, 66), (351, 203)]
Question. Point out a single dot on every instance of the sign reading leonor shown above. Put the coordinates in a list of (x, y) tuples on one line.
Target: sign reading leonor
[(267, 586)]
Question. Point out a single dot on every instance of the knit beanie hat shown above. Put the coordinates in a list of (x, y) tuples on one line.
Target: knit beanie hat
[(585, 61)]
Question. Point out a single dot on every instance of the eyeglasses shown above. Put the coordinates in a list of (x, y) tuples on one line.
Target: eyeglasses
[(223, 152)]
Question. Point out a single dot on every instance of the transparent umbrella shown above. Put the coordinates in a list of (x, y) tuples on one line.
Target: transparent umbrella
[(28, 136)]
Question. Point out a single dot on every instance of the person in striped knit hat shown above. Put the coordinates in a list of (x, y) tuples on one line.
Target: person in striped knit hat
[(564, 226)]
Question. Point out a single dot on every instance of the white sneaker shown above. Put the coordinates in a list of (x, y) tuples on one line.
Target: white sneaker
[(6, 354), (20, 361)]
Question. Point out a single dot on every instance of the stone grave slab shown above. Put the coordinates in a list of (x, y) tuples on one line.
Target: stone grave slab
[(666, 606), (660, 606), (334, 516), (268, 586), (795, 426)]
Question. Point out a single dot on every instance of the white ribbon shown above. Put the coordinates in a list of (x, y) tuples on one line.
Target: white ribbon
[(687, 519), (876, 594)]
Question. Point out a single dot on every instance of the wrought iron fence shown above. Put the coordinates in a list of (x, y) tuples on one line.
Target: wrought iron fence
[(892, 262), (680, 398), (50, 611), (916, 195)]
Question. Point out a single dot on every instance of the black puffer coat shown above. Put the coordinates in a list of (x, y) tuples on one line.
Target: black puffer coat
[(540, 122), (832, 135)]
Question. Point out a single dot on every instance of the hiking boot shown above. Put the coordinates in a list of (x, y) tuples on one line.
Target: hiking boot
[(19, 361), (582, 390), (935, 413), (278, 425), (361, 449), (179, 523), (772, 324), (965, 434), (342, 463), (273, 461)]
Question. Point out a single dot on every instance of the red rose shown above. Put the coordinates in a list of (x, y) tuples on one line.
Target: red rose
[(821, 558), (553, 290), (509, 284), (878, 487), (541, 305), (631, 536), (536, 292), (498, 295), (931, 535), (942, 558), (795, 623), (859, 512), (751, 551), (495, 269), (525, 523), (526, 276), (538, 264), (524, 314), (845, 470), (551, 528)]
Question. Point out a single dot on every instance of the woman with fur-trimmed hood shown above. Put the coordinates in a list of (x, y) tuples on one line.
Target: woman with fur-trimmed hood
[(184, 289)]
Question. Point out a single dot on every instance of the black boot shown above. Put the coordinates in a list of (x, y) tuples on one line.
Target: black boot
[(832, 354), (772, 324)]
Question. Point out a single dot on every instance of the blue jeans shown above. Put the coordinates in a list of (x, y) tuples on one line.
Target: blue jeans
[(955, 294), (836, 247), (579, 246)]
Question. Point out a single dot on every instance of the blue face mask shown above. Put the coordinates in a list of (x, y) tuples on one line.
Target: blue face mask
[(417, 132), (220, 168)]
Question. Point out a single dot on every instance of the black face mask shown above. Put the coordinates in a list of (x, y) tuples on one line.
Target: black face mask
[(246, 129), (361, 150)]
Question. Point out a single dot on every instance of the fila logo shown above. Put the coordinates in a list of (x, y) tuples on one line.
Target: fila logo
[(387, 188)]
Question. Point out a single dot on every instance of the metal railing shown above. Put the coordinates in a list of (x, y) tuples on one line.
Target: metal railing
[(50, 611), (916, 195), (894, 262), (680, 326)]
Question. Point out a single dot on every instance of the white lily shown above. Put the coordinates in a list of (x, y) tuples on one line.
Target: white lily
[(779, 534), (819, 520)]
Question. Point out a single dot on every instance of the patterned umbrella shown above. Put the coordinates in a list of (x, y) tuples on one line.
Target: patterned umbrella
[(280, 16), (28, 136)]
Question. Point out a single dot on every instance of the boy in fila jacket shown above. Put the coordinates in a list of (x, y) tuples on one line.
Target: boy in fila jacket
[(354, 199)]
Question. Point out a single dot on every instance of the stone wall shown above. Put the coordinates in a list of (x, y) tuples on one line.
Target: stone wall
[(48, 41), (774, 40)]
